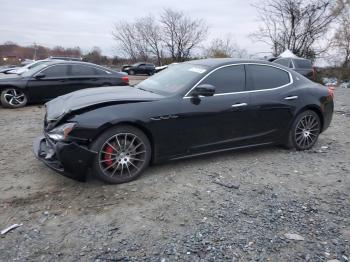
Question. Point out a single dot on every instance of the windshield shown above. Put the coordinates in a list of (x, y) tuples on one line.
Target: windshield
[(35, 69), (173, 79), (35, 64), (302, 63), (25, 68)]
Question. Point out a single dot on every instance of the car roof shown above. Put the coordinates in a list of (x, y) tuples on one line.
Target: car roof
[(294, 58), (54, 61), (217, 62), (57, 62)]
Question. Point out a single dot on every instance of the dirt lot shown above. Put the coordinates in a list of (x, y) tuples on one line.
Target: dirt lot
[(178, 211)]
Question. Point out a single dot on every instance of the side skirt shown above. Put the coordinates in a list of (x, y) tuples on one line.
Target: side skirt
[(221, 150)]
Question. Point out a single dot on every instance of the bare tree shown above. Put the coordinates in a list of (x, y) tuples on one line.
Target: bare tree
[(124, 34), (181, 33), (296, 25), (221, 48), (341, 40), (149, 33), (176, 33)]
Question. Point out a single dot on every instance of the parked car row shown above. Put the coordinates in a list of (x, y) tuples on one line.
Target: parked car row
[(28, 64), (5, 69), (190, 109)]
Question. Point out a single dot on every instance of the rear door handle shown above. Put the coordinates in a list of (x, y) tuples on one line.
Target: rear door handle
[(239, 105), (291, 98)]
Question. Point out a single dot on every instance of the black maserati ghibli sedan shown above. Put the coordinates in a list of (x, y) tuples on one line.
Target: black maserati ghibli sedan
[(190, 109), (53, 78)]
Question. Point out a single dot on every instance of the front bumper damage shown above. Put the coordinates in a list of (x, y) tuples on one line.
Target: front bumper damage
[(69, 159)]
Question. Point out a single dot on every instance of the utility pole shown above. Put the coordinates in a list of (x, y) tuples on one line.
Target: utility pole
[(35, 48)]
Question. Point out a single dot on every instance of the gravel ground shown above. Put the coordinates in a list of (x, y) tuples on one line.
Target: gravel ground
[(266, 204)]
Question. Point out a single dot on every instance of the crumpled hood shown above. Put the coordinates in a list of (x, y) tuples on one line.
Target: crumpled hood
[(62, 105)]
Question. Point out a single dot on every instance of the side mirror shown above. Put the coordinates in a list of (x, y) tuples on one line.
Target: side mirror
[(204, 90), (39, 76)]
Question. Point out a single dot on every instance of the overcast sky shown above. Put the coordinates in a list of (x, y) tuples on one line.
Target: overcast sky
[(88, 23)]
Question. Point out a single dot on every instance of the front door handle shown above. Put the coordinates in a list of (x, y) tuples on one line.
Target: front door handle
[(239, 105), (291, 98)]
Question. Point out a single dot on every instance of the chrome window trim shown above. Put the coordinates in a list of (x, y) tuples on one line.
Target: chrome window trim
[(291, 81), (91, 66)]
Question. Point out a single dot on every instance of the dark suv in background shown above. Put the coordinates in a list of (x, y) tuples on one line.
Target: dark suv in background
[(139, 69), (300, 65)]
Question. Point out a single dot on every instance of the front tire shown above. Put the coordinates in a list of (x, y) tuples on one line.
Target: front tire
[(13, 98), (305, 131), (124, 152)]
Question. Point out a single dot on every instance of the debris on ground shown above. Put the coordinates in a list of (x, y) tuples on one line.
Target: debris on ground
[(292, 236), (10, 228)]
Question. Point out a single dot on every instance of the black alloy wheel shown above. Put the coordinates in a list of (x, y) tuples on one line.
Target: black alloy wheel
[(305, 130), (123, 154), (13, 98)]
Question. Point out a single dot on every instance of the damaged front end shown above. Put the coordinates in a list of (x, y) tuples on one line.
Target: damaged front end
[(68, 158), (62, 154), (65, 144)]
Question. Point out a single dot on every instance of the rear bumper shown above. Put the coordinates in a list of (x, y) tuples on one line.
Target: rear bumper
[(69, 159), (328, 110)]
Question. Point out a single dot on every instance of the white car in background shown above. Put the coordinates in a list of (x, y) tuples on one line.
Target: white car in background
[(345, 84), (20, 70)]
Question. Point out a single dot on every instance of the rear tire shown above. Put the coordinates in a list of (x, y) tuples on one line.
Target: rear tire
[(304, 131), (13, 98), (124, 152)]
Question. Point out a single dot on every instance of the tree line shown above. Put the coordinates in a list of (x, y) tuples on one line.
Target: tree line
[(172, 36), (16, 53), (301, 26), (309, 28)]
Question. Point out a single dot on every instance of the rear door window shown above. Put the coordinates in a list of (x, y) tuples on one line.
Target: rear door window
[(78, 70), (261, 77), (56, 71), (227, 79)]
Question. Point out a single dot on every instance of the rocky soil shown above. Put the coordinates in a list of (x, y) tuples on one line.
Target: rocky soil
[(266, 204)]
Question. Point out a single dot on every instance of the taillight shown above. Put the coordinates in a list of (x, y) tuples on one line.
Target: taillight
[(331, 91), (125, 79)]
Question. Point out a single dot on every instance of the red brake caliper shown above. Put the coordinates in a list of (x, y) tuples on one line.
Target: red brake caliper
[(108, 156)]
